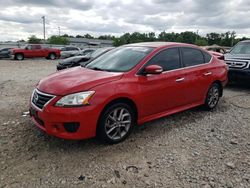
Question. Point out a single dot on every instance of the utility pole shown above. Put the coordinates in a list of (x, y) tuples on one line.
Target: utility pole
[(197, 34), (59, 31), (43, 17)]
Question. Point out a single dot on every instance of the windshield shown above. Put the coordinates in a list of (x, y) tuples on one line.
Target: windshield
[(241, 48), (120, 59)]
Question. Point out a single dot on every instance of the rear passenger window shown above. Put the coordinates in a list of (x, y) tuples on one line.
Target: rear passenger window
[(207, 57), (192, 57), (168, 59)]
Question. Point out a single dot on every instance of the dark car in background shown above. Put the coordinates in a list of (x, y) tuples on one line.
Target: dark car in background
[(238, 61), (5, 53), (82, 60)]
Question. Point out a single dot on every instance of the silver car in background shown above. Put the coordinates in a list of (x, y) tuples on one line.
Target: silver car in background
[(70, 51)]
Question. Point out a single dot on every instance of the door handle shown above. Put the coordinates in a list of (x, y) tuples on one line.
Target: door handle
[(207, 73), (180, 79)]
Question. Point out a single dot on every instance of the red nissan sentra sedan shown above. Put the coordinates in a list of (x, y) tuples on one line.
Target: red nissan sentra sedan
[(127, 86)]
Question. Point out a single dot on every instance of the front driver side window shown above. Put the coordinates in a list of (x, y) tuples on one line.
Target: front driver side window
[(168, 59)]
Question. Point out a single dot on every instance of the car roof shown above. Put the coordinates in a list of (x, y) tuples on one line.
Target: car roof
[(159, 44)]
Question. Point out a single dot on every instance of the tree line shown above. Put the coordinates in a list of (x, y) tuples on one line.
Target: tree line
[(222, 39)]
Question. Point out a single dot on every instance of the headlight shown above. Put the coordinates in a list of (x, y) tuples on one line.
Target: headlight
[(76, 99)]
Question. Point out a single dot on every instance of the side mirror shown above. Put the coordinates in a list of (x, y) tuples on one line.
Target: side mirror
[(153, 69), (26, 48)]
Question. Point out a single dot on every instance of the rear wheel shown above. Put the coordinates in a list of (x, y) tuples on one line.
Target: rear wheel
[(116, 123), (52, 56), (213, 97), (19, 57)]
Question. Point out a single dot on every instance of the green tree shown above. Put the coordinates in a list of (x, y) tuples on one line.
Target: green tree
[(66, 35), (214, 38), (34, 40), (201, 42), (88, 36), (106, 37), (58, 40)]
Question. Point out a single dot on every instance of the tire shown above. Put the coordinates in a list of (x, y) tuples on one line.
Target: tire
[(52, 56), (213, 96), (111, 128), (19, 57)]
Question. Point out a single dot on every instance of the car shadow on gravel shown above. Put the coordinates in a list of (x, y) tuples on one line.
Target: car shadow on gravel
[(178, 120), (238, 87), (39, 141)]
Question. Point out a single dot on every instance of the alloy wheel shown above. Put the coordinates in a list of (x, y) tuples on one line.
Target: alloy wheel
[(213, 96), (19, 57), (118, 123), (52, 56)]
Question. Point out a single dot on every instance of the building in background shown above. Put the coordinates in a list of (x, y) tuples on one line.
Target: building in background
[(84, 42)]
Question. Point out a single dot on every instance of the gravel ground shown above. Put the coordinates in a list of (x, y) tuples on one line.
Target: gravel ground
[(194, 148)]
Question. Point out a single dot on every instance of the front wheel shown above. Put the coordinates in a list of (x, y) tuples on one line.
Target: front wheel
[(19, 57), (52, 56), (213, 97), (116, 123)]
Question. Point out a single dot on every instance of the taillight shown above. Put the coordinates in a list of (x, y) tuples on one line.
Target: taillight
[(221, 57)]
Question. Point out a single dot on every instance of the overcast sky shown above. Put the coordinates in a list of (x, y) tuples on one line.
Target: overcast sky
[(20, 19)]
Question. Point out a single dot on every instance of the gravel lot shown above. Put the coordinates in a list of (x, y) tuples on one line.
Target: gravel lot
[(194, 148)]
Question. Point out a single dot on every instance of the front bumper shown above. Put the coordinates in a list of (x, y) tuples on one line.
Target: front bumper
[(54, 121), (60, 67), (239, 75)]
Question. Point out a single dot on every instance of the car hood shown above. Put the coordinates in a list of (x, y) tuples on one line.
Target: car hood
[(75, 80), (237, 56)]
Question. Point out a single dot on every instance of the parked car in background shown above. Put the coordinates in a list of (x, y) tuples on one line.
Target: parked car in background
[(77, 60), (238, 61), (70, 51), (34, 51), (71, 62), (87, 51), (5, 53), (217, 55), (216, 48), (126, 86)]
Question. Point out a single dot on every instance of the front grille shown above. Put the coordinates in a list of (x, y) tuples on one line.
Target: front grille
[(40, 99), (237, 64)]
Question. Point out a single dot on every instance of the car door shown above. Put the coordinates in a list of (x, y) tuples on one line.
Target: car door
[(72, 51), (162, 92), (38, 51), (197, 74)]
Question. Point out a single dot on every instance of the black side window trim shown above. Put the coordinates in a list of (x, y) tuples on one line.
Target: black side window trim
[(140, 72)]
